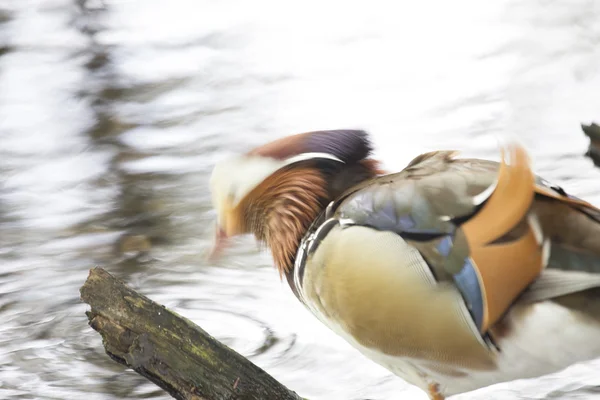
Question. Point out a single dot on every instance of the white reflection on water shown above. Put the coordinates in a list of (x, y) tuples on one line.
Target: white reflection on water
[(112, 115)]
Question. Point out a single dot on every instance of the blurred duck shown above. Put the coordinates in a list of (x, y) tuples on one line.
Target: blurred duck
[(453, 273)]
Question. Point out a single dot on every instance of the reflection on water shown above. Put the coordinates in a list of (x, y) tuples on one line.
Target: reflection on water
[(113, 112)]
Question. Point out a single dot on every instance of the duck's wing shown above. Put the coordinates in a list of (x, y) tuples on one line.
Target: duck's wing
[(490, 229)]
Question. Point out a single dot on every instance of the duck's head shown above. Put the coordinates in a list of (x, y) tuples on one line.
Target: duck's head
[(275, 191)]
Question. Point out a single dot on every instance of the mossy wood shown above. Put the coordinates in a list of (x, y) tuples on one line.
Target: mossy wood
[(170, 350)]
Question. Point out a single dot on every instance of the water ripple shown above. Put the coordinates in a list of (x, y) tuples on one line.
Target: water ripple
[(112, 114)]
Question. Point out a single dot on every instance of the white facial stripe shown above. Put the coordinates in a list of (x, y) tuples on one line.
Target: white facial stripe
[(310, 156), (236, 177)]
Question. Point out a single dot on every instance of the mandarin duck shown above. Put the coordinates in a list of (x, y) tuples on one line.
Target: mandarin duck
[(454, 274)]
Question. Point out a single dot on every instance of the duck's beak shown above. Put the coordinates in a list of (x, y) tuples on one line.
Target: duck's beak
[(220, 243)]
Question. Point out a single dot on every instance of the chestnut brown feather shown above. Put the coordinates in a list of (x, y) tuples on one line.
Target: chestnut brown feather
[(281, 208)]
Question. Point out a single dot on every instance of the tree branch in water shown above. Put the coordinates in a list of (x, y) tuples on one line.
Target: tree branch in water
[(170, 350)]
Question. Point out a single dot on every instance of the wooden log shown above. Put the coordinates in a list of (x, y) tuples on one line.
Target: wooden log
[(592, 131), (170, 350)]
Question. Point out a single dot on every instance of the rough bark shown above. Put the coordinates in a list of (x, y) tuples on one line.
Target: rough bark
[(170, 350)]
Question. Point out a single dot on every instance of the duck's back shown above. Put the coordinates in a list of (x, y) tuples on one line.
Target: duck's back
[(459, 272)]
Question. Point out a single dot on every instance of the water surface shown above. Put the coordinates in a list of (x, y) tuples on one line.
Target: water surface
[(112, 114)]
